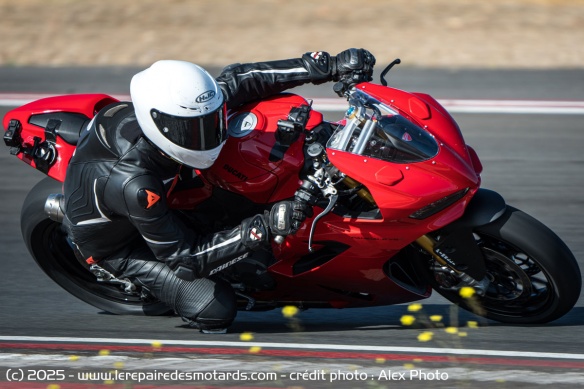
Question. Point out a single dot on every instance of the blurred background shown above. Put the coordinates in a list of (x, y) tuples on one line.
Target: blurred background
[(423, 33)]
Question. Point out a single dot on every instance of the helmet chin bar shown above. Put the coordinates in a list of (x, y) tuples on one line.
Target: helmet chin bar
[(196, 159)]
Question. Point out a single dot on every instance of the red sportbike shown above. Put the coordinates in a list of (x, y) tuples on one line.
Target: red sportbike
[(400, 210)]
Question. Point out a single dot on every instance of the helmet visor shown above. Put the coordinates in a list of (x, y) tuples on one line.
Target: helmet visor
[(198, 133)]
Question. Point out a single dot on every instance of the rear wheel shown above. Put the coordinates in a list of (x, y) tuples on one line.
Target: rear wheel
[(51, 250), (533, 276)]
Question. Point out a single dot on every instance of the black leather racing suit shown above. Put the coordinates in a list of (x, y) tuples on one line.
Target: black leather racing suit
[(115, 200)]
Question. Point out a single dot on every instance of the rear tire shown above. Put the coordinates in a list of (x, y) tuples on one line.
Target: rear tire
[(50, 248), (534, 277)]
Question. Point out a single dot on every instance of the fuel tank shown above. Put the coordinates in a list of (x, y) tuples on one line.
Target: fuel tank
[(252, 163)]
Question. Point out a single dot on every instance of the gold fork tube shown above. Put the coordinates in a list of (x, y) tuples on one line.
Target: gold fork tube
[(428, 244), (363, 193)]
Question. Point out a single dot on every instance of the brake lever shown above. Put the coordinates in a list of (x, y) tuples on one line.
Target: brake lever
[(332, 201)]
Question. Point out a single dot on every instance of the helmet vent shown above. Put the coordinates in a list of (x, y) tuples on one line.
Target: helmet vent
[(191, 109)]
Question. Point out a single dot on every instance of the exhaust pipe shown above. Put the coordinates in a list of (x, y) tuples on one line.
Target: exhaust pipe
[(54, 207)]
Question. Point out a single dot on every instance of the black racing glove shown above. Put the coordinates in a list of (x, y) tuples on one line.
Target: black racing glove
[(285, 218), (353, 66)]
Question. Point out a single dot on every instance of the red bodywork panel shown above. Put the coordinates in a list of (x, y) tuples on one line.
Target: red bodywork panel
[(85, 104)]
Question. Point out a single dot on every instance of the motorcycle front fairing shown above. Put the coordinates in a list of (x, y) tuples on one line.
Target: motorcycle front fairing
[(427, 181), (351, 250), (416, 178)]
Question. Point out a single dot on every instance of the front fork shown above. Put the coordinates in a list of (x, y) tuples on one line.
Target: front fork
[(428, 244)]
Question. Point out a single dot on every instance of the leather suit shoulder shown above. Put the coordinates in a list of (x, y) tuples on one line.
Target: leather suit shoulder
[(112, 132), (141, 195)]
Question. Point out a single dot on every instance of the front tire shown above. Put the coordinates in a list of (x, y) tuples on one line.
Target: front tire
[(49, 246), (533, 276)]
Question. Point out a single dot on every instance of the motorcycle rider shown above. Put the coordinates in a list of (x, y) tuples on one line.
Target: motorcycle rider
[(127, 162)]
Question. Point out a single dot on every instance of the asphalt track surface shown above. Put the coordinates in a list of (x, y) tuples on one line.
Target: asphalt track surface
[(534, 160)]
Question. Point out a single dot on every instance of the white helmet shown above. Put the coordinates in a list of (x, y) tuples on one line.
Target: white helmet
[(180, 109)]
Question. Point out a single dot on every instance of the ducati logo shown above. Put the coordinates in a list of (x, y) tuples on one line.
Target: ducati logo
[(148, 198)]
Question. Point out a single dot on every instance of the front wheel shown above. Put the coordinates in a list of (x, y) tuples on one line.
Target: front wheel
[(533, 276), (48, 245)]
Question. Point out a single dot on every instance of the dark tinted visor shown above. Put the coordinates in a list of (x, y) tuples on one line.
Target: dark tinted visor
[(194, 133)]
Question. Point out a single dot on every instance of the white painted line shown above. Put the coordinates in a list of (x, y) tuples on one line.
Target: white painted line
[(302, 346), (338, 105), (514, 106), (18, 99), (482, 106)]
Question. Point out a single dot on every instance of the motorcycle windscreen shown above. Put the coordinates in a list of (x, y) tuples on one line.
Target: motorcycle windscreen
[(390, 138)]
